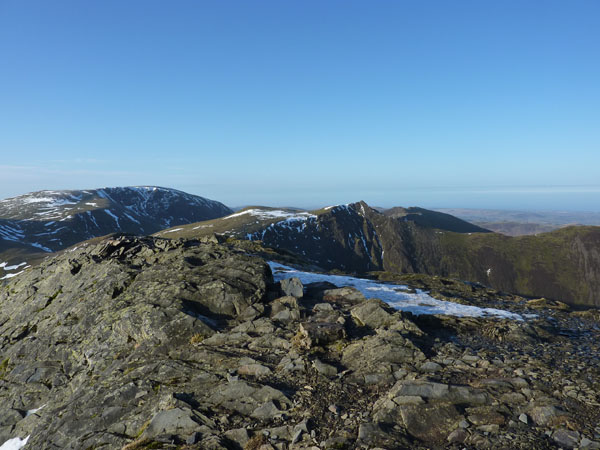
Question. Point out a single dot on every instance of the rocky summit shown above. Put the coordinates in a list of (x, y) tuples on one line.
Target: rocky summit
[(151, 343)]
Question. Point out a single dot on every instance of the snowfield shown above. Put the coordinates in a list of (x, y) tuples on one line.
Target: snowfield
[(272, 214), (395, 295)]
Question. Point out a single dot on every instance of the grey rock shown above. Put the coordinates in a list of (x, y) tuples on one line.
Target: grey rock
[(440, 392), (430, 366), (325, 369), (430, 422), (485, 415), (286, 315), (9, 417), (344, 295), (320, 333), (372, 313), (190, 342), (459, 435), (213, 442), (255, 370), (374, 354), (172, 421), (323, 307), (246, 398), (513, 398), (267, 411), (287, 364), (544, 415), (588, 443), (371, 433), (238, 435), (566, 438), (408, 400), (194, 438), (292, 287)]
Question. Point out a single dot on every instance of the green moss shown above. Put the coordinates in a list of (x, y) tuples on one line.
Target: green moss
[(142, 429), (143, 444), (56, 294), (4, 367), (196, 339)]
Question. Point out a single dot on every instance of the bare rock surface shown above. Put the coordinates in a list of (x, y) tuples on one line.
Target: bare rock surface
[(141, 343)]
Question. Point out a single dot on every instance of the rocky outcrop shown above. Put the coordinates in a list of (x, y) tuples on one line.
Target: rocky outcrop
[(140, 343), (98, 338)]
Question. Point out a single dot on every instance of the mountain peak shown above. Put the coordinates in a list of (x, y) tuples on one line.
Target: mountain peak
[(52, 220)]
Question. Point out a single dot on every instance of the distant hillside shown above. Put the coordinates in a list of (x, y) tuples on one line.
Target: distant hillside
[(519, 228), (518, 223), (433, 219), (563, 264), (48, 221)]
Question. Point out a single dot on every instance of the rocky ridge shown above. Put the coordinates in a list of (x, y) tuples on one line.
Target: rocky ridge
[(563, 265), (140, 343)]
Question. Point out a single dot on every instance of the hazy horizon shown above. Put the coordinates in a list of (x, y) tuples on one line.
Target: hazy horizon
[(540, 199)]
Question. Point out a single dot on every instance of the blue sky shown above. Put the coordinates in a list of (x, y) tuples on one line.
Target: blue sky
[(431, 103)]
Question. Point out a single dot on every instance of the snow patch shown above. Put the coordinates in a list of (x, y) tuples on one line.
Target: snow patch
[(11, 233), (33, 411), (10, 275), (110, 213), (335, 207), (133, 219), (395, 295), (29, 200), (273, 214), (5, 267), (40, 246), (172, 231), (14, 444)]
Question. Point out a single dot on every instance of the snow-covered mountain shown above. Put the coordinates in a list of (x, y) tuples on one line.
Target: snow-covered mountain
[(49, 221)]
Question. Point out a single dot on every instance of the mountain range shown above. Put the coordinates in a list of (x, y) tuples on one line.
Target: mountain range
[(345, 327), (35, 224), (390, 244), (563, 264)]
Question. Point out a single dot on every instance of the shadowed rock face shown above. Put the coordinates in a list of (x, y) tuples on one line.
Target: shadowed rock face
[(563, 265), (157, 343)]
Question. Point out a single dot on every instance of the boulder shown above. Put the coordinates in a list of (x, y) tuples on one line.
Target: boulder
[(311, 334), (430, 423), (372, 313), (172, 421), (344, 295), (292, 287)]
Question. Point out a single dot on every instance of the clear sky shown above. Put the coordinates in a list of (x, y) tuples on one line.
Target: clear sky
[(306, 102)]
